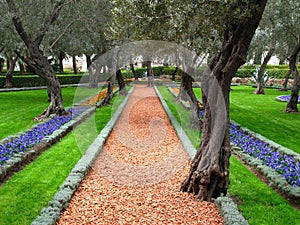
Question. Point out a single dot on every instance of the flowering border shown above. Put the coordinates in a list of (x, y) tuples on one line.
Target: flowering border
[(50, 215), (274, 177), (25, 147), (285, 98)]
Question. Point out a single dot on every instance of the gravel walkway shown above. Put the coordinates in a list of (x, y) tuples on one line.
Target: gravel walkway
[(137, 175)]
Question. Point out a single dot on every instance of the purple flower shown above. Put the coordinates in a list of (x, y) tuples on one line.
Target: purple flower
[(285, 98), (35, 135), (281, 163)]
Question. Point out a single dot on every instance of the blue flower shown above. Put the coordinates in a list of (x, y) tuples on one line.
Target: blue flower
[(281, 163), (36, 134)]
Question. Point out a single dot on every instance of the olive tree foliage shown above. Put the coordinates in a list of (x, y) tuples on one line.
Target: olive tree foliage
[(223, 29), (184, 22), (84, 32), (291, 33), (287, 15)]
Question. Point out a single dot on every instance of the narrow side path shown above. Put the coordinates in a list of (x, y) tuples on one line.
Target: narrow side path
[(137, 175)]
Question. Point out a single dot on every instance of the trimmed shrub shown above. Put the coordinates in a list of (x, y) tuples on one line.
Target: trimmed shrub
[(35, 81)]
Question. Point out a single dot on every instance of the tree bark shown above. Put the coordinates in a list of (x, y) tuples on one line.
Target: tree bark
[(1, 65), (61, 57), (74, 64), (187, 94), (209, 173), (109, 94), (22, 68), (286, 80), (9, 73), (292, 104), (260, 82), (135, 75), (122, 86), (150, 74), (88, 60), (174, 73), (37, 60)]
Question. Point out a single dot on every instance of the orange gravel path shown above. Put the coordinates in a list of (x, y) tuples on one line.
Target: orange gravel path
[(137, 175)]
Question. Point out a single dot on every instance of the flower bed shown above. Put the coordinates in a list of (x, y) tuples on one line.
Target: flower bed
[(20, 150), (52, 212), (280, 165), (285, 98), (35, 135), (98, 97)]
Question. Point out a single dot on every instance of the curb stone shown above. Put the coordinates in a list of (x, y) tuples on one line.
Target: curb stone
[(51, 214), (226, 205)]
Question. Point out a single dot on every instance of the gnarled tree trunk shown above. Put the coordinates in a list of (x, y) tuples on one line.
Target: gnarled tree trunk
[(260, 82), (39, 63), (110, 93), (1, 65), (174, 73), (122, 86), (74, 65), (150, 74), (22, 68), (187, 94), (292, 104), (135, 75), (285, 82), (209, 173), (61, 57), (88, 60), (9, 73), (37, 60)]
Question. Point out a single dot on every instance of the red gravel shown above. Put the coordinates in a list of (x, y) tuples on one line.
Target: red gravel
[(136, 178)]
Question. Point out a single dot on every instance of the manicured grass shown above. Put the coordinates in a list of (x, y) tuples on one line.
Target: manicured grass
[(264, 115), (182, 115), (259, 203), (28, 191), (18, 109)]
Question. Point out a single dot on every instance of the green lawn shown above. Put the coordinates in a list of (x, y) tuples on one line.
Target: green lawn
[(28, 191), (258, 203), (18, 109), (264, 115), (24, 195)]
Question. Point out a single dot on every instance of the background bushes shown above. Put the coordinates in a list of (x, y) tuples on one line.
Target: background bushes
[(30, 80), (35, 81)]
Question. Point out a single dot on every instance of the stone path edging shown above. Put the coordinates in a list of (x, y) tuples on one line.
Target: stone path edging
[(50, 214), (226, 205)]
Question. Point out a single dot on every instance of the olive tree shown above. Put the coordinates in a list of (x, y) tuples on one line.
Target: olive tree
[(39, 25)]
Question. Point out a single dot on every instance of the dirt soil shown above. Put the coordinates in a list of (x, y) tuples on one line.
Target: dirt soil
[(136, 177)]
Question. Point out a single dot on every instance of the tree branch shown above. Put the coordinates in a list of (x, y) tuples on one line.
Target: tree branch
[(50, 20), (62, 34), (17, 22)]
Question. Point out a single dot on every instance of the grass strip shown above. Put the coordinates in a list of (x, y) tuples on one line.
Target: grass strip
[(28, 191), (182, 115), (258, 203)]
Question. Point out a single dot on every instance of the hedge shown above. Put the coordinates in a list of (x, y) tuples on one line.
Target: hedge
[(275, 73), (157, 71), (34, 80)]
